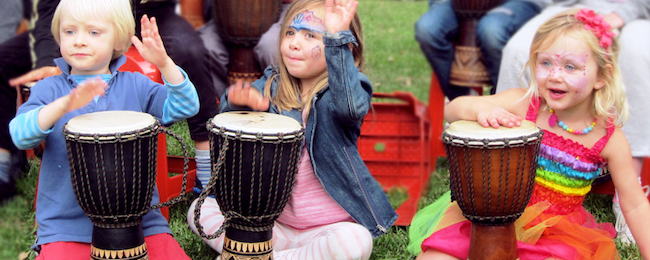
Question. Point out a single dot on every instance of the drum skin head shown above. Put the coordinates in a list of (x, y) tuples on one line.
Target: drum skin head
[(110, 122), (472, 129), (256, 122)]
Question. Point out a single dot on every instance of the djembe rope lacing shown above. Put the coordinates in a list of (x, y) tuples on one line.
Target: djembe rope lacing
[(490, 144), (102, 219), (230, 215)]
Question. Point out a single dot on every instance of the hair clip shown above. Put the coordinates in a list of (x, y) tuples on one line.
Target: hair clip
[(597, 25)]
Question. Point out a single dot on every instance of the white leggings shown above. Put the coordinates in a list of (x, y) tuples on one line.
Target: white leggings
[(343, 240)]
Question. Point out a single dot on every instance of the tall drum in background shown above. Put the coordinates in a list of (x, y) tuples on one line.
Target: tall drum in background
[(112, 156), (254, 159), (468, 68), (240, 24), (492, 174)]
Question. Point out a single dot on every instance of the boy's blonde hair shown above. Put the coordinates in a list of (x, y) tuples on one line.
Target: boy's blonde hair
[(610, 100), (289, 89), (117, 12)]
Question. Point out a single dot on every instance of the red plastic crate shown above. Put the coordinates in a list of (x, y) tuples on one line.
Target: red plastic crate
[(394, 144)]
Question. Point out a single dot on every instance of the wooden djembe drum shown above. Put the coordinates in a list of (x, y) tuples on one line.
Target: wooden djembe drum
[(254, 159), (112, 156), (492, 174), (240, 24), (468, 68)]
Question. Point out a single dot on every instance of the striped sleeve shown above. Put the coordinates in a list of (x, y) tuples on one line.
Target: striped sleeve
[(182, 101), (24, 130)]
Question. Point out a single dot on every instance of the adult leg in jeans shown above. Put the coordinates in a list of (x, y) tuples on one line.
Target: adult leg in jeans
[(497, 27), (435, 31), (14, 61), (186, 48)]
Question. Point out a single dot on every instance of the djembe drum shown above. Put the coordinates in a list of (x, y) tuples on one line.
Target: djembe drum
[(241, 23), (468, 68), (254, 158), (112, 156), (492, 174)]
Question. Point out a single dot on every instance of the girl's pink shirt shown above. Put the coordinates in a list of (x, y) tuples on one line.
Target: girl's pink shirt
[(310, 205)]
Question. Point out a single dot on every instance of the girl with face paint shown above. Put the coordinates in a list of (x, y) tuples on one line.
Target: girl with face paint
[(336, 207), (579, 102)]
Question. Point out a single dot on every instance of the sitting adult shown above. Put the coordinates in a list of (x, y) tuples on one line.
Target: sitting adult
[(438, 28), (631, 19)]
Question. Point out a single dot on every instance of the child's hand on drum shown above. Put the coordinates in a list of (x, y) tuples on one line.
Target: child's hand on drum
[(85, 92), (241, 94), (498, 117)]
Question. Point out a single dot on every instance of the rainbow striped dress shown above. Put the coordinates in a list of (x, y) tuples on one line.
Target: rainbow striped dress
[(555, 223)]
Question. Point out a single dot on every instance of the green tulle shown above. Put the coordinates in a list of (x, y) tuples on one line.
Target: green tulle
[(425, 221)]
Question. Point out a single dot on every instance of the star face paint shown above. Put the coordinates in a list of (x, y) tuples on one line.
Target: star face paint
[(307, 20)]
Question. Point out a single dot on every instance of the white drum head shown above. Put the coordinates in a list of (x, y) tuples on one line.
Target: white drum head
[(249, 122), (463, 129), (110, 122)]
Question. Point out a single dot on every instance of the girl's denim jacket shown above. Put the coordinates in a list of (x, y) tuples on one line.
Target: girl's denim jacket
[(331, 133)]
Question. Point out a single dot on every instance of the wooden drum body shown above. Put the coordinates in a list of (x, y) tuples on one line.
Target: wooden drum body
[(468, 68), (240, 24), (112, 157), (492, 174), (254, 159)]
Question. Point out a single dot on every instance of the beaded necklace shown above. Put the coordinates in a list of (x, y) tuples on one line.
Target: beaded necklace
[(552, 120)]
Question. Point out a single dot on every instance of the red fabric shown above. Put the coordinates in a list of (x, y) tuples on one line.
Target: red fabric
[(160, 247)]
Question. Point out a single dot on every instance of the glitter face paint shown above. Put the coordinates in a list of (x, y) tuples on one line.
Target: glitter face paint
[(307, 20), (570, 66)]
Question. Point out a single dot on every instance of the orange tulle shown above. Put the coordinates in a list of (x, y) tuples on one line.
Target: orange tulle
[(573, 236)]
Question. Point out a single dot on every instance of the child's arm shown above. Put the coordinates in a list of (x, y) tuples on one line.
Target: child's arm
[(28, 129), (152, 50), (351, 90), (634, 203), (507, 108)]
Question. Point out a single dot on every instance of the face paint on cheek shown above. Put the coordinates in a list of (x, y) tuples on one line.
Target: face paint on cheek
[(316, 52), (309, 21), (541, 72)]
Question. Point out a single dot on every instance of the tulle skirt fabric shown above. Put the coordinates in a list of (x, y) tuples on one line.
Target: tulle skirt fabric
[(539, 235)]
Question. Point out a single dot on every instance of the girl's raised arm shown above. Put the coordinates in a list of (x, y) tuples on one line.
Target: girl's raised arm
[(507, 108), (339, 14)]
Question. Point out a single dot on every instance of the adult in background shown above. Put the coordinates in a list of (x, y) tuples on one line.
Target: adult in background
[(438, 28)]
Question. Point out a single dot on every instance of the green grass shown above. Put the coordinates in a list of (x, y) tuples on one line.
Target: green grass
[(394, 62)]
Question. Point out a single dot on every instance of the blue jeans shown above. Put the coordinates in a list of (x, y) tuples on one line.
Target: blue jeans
[(438, 28)]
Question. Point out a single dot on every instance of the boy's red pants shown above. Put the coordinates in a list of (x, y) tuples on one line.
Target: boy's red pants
[(160, 247)]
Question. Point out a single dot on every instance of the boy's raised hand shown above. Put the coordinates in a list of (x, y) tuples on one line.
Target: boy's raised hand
[(151, 47), (339, 14), (498, 117), (85, 92), (241, 94)]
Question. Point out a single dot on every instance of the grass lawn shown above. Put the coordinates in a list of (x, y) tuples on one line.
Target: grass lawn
[(394, 62)]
